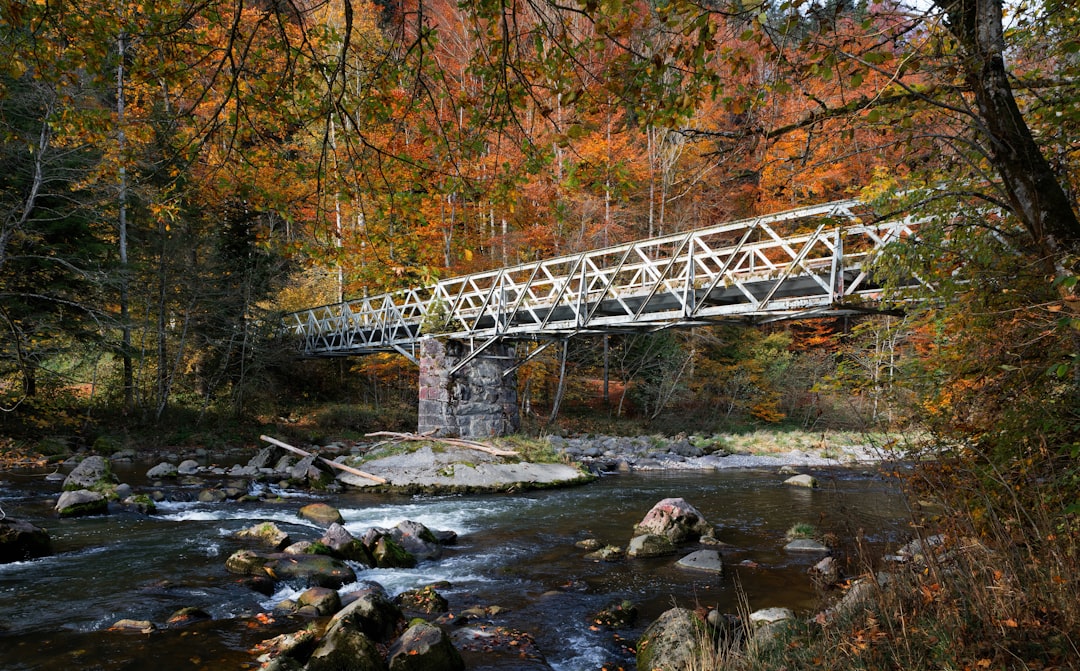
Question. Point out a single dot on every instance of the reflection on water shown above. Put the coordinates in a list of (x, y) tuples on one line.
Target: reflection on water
[(515, 551)]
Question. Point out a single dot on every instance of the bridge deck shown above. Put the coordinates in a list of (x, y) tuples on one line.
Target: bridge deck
[(806, 262)]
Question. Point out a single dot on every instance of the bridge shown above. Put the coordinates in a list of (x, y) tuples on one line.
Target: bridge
[(807, 262)]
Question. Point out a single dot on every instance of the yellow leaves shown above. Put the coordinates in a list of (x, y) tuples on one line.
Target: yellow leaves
[(983, 663)]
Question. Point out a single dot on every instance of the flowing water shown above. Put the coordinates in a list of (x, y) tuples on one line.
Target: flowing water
[(515, 551)]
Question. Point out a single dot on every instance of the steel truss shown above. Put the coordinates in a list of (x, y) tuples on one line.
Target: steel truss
[(808, 262)]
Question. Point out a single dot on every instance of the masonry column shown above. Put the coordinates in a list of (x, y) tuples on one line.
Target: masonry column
[(479, 402)]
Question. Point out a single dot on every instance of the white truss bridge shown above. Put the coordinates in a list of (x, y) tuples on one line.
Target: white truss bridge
[(808, 262)]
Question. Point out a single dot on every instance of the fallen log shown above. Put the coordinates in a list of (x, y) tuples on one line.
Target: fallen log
[(331, 464), (460, 442)]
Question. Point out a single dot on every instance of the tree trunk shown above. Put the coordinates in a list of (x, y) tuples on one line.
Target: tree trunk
[(1034, 191)]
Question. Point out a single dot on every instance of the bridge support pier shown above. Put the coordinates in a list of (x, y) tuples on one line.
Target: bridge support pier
[(478, 402)]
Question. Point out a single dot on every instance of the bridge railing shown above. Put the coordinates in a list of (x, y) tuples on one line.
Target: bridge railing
[(812, 260)]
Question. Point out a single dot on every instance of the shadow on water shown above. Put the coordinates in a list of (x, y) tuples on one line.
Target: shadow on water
[(515, 551)]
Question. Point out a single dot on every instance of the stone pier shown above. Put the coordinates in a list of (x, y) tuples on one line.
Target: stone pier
[(478, 402)]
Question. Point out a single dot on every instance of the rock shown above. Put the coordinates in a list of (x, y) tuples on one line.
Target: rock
[(344, 545), (268, 533), (140, 503), (92, 472), (589, 544), (620, 614), (802, 480), (20, 541), (607, 553), (676, 519), (212, 495), (424, 647), (188, 467), (186, 616), (297, 645), (323, 600), (806, 545), (423, 600), (142, 626), (263, 458), (321, 513), (824, 573), (304, 548), (417, 540), (703, 560), (650, 545), (372, 613), (770, 615), (81, 502), (345, 649), (388, 554), (673, 642), (162, 470), (246, 562)]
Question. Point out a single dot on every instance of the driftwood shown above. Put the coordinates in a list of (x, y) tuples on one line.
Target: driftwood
[(459, 442), (331, 464)]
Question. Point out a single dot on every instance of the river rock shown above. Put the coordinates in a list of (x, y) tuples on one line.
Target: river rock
[(345, 649), (140, 503), (141, 626), (344, 545), (673, 642), (650, 545), (297, 645), (212, 495), (21, 540), (802, 480), (263, 458), (187, 615), (770, 615), (268, 533), (321, 513), (824, 573), (81, 502), (424, 647), (372, 613), (676, 519), (387, 552), (188, 467), (703, 560), (621, 614), (162, 470), (92, 472), (417, 540), (322, 600), (607, 553), (423, 600), (307, 570), (806, 545)]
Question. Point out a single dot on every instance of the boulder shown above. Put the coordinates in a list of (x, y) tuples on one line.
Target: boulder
[(770, 615), (297, 645), (92, 472), (141, 626), (372, 613), (306, 570), (802, 480), (703, 560), (673, 642), (345, 649), (424, 647), (417, 540), (675, 519), (806, 545), (322, 600), (187, 615), (20, 541), (650, 545), (321, 513), (607, 553), (212, 495), (267, 533), (388, 554), (162, 470), (264, 458), (423, 600), (188, 467), (81, 502), (344, 545)]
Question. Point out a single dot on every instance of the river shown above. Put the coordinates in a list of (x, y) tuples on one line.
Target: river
[(515, 551)]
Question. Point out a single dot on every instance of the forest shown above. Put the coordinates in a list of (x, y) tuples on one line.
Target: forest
[(178, 175)]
